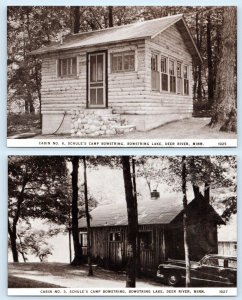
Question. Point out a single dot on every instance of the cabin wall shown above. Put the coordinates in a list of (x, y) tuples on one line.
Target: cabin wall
[(202, 240), (64, 99), (227, 248), (129, 93), (113, 255), (171, 106)]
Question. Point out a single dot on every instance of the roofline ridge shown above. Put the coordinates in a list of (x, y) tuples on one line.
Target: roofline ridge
[(124, 25)]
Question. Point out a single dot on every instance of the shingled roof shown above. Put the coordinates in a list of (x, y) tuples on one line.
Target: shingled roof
[(160, 211), (134, 31)]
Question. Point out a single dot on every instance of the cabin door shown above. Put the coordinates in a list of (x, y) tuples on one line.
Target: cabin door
[(96, 80), (116, 250)]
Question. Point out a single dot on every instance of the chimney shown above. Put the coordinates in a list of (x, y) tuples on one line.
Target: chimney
[(154, 195)]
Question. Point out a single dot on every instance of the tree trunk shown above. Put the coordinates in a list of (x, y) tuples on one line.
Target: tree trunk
[(209, 62), (132, 224), (13, 241), (185, 229), (89, 252), (225, 112), (110, 16), (138, 240), (75, 19), (199, 67), (75, 232)]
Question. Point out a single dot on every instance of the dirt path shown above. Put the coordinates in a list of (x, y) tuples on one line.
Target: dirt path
[(65, 275)]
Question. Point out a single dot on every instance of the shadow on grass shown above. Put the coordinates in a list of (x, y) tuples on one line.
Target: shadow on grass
[(16, 282)]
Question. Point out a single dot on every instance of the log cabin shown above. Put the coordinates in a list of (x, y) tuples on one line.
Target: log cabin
[(160, 232), (115, 80)]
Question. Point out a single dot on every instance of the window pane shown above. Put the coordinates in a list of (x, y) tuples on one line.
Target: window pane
[(74, 66), (64, 67), (179, 85), (186, 87), (185, 72), (83, 239), (128, 62), (172, 67), (155, 80), (100, 68), (92, 96), (145, 238), (100, 96), (163, 68), (154, 62), (172, 84), (164, 84), (179, 70), (120, 63), (69, 66), (93, 68)]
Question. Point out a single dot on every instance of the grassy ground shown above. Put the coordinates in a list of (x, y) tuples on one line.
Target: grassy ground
[(17, 282), (21, 123), (192, 128), (65, 275)]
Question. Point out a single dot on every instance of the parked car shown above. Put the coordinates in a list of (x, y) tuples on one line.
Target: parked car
[(211, 270)]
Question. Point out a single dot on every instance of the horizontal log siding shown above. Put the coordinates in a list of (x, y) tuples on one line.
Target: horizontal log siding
[(63, 94)]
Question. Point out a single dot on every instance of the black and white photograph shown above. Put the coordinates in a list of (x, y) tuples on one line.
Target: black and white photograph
[(122, 76), (122, 225)]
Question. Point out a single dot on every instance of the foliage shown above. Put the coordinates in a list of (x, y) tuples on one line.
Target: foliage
[(36, 189)]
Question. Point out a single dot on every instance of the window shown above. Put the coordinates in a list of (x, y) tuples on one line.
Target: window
[(164, 75), (83, 239), (172, 76), (145, 239), (155, 75), (179, 78), (67, 67), (186, 80), (115, 237), (124, 61)]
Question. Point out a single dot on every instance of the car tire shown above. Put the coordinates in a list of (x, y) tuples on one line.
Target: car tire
[(173, 279)]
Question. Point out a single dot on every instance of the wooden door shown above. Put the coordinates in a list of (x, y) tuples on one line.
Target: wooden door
[(97, 85)]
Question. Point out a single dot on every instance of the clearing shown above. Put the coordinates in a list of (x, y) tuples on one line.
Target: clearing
[(36, 275), (192, 128)]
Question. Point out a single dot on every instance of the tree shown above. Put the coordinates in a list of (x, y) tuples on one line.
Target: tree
[(225, 111), (74, 212), (89, 252), (185, 221), (132, 223), (36, 190)]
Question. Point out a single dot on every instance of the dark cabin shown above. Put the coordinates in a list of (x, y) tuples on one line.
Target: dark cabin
[(114, 80), (160, 232)]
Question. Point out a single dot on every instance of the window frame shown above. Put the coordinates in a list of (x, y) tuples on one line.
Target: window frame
[(81, 233), (150, 246), (164, 73), (172, 76), (122, 55), (113, 233), (186, 80), (155, 71), (69, 60)]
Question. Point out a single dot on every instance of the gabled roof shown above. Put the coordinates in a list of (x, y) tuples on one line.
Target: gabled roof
[(159, 211), (134, 31)]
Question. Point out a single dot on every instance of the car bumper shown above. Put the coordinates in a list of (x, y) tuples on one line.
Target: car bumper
[(158, 274)]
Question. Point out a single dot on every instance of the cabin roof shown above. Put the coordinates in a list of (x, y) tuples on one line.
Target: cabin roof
[(134, 31), (159, 211)]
